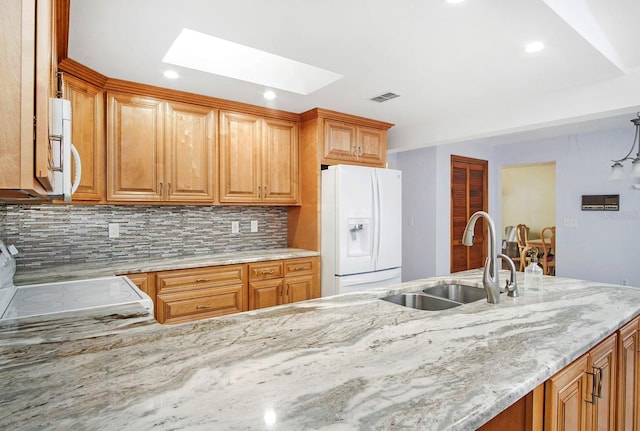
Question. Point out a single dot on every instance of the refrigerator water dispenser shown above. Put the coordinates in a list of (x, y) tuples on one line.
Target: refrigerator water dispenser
[(359, 243)]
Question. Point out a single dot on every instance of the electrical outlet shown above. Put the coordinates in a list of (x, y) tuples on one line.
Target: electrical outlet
[(570, 222), (114, 230), (254, 225), (235, 227)]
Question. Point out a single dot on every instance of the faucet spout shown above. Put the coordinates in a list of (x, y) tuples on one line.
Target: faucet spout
[(490, 279)]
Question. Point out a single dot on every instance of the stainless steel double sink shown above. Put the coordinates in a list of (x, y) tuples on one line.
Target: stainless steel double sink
[(439, 297)]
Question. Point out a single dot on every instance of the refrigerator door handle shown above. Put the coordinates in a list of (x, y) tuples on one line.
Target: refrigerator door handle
[(375, 187)]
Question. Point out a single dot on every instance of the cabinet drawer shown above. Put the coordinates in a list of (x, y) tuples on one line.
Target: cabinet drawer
[(199, 304), (302, 266), (189, 279), (265, 270)]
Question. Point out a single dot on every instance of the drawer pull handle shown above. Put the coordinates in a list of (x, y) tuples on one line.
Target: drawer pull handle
[(201, 307), (202, 280), (265, 272), (299, 268)]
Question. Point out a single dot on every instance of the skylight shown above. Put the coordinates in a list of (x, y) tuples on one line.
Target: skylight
[(195, 50)]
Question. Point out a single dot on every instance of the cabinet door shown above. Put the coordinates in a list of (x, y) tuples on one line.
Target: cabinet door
[(339, 141), (17, 90), (87, 135), (298, 289), (45, 69), (190, 153), (240, 161), (280, 162), (371, 146), (565, 395), (265, 293), (604, 360), (134, 148), (628, 377)]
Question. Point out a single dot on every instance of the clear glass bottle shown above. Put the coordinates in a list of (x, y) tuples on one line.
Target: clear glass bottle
[(533, 274)]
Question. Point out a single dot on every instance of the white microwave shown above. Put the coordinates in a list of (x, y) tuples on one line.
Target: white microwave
[(61, 150)]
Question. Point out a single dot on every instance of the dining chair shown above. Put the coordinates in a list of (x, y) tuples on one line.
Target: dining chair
[(522, 236), (548, 237)]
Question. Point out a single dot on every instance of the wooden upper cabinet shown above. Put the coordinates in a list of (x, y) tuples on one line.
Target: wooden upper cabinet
[(26, 70), (159, 151), (135, 146), (353, 144), (280, 156), (240, 151), (258, 159), (190, 153), (87, 129)]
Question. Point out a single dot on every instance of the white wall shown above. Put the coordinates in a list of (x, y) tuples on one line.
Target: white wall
[(600, 248)]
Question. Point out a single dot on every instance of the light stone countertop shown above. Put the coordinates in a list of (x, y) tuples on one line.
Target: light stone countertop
[(347, 362), (102, 269)]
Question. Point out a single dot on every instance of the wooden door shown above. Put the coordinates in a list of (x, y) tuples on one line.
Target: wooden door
[(135, 147), (565, 395), (628, 377), (604, 360), (87, 135), (339, 141), (190, 153), (240, 161), (371, 146), (265, 293), (469, 178), (280, 162)]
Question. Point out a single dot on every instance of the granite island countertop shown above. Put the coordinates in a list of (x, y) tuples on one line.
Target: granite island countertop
[(345, 362), (132, 266)]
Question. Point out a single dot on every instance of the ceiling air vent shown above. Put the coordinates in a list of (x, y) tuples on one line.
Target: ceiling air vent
[(384, 97)]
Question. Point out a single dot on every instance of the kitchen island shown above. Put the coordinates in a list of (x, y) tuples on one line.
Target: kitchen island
[(345, 362)]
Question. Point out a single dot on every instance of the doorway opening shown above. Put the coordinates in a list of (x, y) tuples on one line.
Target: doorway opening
[(529, 198)]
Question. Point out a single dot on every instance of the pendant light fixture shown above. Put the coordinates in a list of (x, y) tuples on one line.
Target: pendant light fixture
[(617, 169)]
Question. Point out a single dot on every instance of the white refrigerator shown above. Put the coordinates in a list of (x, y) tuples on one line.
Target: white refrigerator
[(361, 244)]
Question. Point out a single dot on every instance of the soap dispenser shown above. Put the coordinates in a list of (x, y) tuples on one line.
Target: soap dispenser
[(533, 274)]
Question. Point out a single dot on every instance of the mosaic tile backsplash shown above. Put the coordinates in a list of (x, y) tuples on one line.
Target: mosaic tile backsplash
[(49, 235)]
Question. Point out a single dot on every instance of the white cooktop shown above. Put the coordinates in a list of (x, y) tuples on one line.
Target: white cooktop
[(50, 298)]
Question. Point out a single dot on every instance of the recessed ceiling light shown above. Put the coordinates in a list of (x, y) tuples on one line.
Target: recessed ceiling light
[(534, 46), (207, 53), (171, 74), (269, 95)]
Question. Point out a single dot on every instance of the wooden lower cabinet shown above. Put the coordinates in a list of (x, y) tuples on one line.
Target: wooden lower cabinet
[(629, 377), (283, 282), (190, 294), (583, 395)]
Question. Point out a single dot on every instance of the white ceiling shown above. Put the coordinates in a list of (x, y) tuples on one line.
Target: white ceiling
[(460, 70)]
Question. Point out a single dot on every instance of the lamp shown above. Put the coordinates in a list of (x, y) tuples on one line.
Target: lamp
[(617, 169)]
